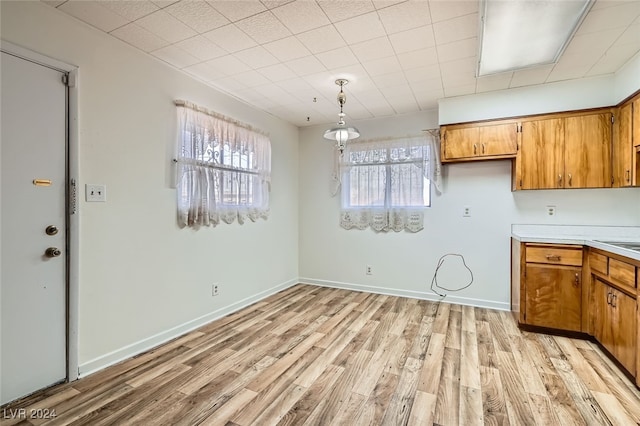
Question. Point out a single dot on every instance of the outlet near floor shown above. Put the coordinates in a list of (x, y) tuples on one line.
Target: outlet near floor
[(369, 272), (214, 289)]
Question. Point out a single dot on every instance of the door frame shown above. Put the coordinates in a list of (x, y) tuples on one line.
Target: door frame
[(72, 196)]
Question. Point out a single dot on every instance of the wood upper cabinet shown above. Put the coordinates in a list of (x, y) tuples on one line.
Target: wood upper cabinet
[(541, 159), (622, 146), (565, 151), (479, 141), (587, 151)]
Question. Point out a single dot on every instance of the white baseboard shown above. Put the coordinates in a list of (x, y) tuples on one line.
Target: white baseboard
[(479, 303), (151, 342)]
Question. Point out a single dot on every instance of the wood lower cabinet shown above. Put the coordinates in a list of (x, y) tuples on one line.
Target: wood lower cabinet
[(576, 289), (551, 286), (614, 324), (554, 296)]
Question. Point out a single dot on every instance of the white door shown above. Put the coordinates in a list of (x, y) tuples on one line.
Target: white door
[(33, 255)]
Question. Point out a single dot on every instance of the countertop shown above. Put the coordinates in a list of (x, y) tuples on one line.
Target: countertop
[(592, 236)]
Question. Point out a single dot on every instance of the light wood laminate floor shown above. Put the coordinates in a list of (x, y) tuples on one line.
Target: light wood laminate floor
[(320, 356)]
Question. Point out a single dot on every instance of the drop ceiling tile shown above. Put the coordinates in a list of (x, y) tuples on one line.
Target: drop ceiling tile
[(131, 9), (204, 71), (93, 13), (251, 79), (230, 38), (373, 49), (403, 104), (340, 10), (381, 4), (494, 82), (593, 43), (386, 81), (163, 3), (415, 39), (301, 15), (277, 72), (229, 84), (614, 59), (166, 26), (428, 89), (54, 3), (228, 65), (175, 56), (197, 15), (287, 49), (270, 4), (361, 28), (531, 76), (305, 66), (631, 35), (263, 27), (458, 50), (610, 17), (322, 39), (429, 103), (461, 72), (418, 58), (139, 37), (571, 66), (337, 58), (445, 10), (353, 73), (256, 57), (381, 109), (201, 47), (277, 94), (382, 66), (299, 88), (235, 10), (404, 16), (424, 74), (455, 29), (467, 89)]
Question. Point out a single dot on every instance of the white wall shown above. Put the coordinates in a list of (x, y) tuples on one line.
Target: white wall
[(627, 79), (140, 275), (404, 263)]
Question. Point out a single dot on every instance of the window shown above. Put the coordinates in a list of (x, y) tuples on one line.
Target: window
[(224, 169), (386, 185)]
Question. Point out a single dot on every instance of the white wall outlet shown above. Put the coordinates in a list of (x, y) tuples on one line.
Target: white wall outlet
[(466, 211), (96, 193), (551, 210), (215, 289), (369, 272)]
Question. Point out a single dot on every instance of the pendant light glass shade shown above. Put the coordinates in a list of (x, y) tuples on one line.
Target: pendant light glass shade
[(341, 134)]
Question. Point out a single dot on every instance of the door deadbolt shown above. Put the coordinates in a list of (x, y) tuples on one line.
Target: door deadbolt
[(51, 230), (52, 252)]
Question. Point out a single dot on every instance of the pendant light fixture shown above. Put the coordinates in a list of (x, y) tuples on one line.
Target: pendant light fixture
[(341, 134)]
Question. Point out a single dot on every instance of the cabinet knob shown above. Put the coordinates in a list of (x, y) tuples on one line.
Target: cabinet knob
[(475, 149), (554, 258), (609, 298), (559, 180), (483, 148), (628, 176), (614, 297), (570, 179)]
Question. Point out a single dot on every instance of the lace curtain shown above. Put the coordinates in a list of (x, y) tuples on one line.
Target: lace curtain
[(223, 169), (386, 183)]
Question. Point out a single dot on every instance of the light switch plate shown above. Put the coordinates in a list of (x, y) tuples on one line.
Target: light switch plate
[(96, 193)]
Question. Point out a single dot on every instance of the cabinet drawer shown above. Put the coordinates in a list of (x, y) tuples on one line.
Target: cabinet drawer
[(622, 272), (554, 255), (599, 263)]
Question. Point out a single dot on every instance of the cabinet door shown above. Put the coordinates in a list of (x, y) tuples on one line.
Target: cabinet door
[(587, 151), (499, 139), (636, 122), (601, 313), (623, 313), (554, 296), (461, 143), (541, 155), (622, 147)]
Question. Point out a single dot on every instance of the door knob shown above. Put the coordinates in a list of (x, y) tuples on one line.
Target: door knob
[(52, 252), (51, 230)]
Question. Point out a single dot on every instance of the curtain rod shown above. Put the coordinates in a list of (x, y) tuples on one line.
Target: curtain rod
[(198, 108)]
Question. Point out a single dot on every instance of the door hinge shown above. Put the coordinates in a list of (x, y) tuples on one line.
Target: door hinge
[(69, 80), (72, 197)]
